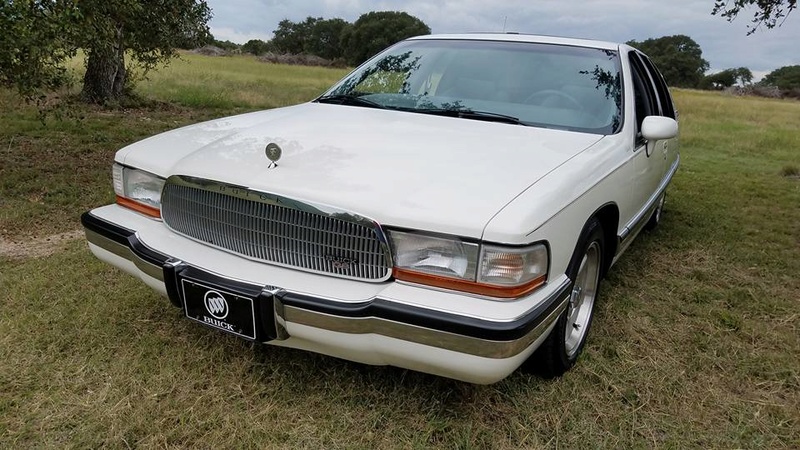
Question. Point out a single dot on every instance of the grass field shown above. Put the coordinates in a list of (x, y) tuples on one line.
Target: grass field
[(695, 342)]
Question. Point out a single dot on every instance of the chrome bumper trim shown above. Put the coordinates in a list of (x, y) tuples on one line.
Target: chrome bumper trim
[(425, 336), (478, 337), (125, 251)]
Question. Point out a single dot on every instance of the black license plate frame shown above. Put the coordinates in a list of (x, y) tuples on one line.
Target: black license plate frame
[(219, 308)]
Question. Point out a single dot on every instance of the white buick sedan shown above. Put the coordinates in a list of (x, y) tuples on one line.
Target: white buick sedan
[(449, 207)]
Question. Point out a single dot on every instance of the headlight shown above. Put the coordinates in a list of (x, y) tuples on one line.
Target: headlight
[(508, 266), (138, 190), (434, 255), (492, 270)]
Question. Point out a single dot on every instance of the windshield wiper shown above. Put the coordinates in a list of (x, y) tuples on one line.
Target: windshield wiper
[(349, 99), (471, 114)]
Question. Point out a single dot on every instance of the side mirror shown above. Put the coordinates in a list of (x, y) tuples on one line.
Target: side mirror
[(656, 128)]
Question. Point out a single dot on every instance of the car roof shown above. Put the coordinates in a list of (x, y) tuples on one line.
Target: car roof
[(517, 37)]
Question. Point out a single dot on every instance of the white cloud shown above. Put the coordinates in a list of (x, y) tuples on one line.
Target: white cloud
[(229, 34)]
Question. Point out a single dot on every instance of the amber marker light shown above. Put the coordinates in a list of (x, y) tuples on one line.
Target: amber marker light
[(469, 286), (139, 207), (138, 190)]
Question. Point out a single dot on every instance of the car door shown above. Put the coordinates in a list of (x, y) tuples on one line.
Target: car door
[(668, 148), (648, 169)]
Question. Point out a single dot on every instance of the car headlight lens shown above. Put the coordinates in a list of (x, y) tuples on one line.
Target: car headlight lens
[(138, 190), (492, 270), (444, 257), (508, 266)]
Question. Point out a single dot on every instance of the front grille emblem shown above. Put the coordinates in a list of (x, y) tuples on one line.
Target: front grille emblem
[(216, 305), (341, 262), (273, 152)]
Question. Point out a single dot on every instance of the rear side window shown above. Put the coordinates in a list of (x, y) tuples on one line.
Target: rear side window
[(664, 97), (645, 97)]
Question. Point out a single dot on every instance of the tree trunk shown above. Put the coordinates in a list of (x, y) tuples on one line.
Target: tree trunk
[(105, 76)]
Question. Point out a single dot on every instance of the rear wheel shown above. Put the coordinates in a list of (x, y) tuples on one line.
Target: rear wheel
[(564, 344)]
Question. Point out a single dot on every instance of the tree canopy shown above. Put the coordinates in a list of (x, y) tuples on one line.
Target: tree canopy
[(727, 78), (374, 31), (787, 77), (33, 46), (336, 38), (36, 37), (225, 45), (769, 13), (290, 37), (324, 38), (679, 58), (257, 47), (313, 36)]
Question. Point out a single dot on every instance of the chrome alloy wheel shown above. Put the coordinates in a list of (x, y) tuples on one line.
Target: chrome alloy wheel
[(581, 301)]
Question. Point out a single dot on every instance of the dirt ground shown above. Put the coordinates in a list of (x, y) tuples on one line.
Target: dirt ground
[(36, 247)]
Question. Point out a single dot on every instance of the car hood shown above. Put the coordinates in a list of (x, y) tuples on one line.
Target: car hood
[(400, 169)]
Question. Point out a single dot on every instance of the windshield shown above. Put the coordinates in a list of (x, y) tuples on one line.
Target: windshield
[(545, 85)]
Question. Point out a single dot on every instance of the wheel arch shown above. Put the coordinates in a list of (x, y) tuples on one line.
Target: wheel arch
[(608, 215)]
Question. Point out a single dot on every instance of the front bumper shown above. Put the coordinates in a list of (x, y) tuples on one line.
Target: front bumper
[(379, 330)]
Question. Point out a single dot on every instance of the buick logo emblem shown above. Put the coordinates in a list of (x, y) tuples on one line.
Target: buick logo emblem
[(216, 305), (341, 262), (273, 152)]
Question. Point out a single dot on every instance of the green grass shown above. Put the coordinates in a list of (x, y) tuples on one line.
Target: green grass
[(695, 342), (232, 82)]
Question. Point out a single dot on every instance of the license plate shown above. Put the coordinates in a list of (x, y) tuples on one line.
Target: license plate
[(220, 309)]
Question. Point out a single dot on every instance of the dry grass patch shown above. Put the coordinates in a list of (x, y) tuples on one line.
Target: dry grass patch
[(37, 247), (790, 171)]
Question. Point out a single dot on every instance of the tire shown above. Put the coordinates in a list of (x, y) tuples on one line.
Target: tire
[(563, 346), (655, 219)]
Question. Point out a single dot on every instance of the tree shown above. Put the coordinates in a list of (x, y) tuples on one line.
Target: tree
[(324, 38), (290, 37), (679, 57), (785, 78), (313, 36), (39, 35), (256, 47), (225, 45), (149, 29), (770, 13), (727, 78), (33, 47), (744, 76), (374, 31)]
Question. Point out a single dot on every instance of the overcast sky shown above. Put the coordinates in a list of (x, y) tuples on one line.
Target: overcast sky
[(724, 44)]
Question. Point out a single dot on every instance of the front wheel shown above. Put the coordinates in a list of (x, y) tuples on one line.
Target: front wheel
[(562, 347)]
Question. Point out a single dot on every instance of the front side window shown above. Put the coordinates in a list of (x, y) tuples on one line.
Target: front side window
[(541, 85)]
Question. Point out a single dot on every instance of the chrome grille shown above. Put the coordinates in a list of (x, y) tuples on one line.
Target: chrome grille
[(273, 229)]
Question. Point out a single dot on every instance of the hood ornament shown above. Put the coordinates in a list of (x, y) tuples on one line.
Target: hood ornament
[(274, 154)]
